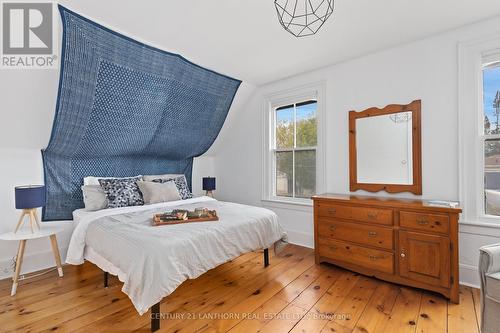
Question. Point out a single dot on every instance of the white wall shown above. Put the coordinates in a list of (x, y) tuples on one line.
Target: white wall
[(21, 166), (425, 70), (27, 107)]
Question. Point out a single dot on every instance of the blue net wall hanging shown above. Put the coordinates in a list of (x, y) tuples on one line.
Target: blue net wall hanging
[(125, 108)]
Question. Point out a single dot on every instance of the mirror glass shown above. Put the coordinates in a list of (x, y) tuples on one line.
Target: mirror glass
[(384, 149)]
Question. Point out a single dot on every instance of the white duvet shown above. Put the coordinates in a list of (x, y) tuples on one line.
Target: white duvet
[(153, 261)]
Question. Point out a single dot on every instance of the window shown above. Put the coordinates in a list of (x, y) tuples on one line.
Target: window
[(293, 146), (490, 138), (294, 149), (479, 134)]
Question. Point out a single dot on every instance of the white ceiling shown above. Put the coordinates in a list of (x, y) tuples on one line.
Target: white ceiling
[(243, 39)]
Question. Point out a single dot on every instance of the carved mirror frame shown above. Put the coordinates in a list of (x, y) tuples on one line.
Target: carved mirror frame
[(416, 187)]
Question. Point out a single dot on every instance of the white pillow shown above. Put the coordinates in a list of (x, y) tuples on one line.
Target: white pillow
[(90, 180), (158, 192), (94, 197), (180, 181)]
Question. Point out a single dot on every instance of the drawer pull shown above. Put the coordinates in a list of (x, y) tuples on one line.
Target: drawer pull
[(332, 211), (422, 222), (403, 253), (372, 234), (372, 216), (373, 258), (333, 227)]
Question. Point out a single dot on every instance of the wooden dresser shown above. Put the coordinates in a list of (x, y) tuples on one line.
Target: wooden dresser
[(403, 241)]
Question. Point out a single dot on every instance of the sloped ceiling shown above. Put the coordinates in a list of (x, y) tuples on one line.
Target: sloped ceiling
[(243, 38)]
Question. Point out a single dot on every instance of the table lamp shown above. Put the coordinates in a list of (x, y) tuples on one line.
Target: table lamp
[(29, 198), (209, 185)]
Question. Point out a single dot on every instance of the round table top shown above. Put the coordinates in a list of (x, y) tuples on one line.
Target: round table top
[(25, 233)]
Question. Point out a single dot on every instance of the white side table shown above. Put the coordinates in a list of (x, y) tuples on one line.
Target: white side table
[(24, 235)]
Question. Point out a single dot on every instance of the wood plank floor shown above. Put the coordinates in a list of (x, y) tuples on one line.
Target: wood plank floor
[(291, 295)]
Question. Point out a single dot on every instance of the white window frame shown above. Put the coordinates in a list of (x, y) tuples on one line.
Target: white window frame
[(314, 91), (472, 56)]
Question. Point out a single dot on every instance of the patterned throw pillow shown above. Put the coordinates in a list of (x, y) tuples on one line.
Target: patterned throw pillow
[(122, 192), (181, 183)]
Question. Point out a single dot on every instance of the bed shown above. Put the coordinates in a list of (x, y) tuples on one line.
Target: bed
[(122, 242)]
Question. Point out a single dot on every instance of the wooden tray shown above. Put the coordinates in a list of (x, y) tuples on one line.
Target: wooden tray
[(157, 221)]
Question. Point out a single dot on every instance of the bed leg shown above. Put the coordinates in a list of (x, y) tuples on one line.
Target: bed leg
[(266, 257), (106, 279), (155, 317)]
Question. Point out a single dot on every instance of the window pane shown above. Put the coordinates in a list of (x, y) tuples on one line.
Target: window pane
[(491, 100), (284, 127), (492, 176), (305, 173), (284, 174), (306, 124)]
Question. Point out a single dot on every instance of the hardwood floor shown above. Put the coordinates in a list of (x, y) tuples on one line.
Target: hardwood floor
[(291, 295)]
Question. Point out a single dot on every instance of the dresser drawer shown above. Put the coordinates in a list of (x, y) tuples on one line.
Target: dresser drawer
[(375, 215), (365, 214), (373, 259), (357, 233), (331, 210), (422, 221)]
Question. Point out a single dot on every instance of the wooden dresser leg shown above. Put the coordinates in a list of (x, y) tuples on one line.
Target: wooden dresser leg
[(57, 256), (19, 263), (455, 296)]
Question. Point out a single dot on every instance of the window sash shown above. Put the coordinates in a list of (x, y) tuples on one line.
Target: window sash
[(483, 137), (275, 169), (482, 175), (490, 136), (293, 149)]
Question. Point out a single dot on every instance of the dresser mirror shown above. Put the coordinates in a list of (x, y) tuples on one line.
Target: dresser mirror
[(385, 149)]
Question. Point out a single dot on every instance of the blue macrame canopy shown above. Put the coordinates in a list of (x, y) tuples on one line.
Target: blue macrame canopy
[(124, 109)]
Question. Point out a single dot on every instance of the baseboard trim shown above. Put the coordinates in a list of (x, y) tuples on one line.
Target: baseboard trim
[(469, 275), (33, 262), (300, 238), (469, 285)]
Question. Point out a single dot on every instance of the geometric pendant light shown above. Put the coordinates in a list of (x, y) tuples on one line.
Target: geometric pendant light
[(303, 17)]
